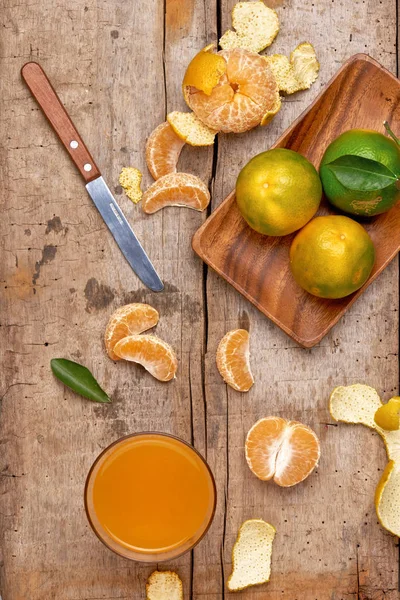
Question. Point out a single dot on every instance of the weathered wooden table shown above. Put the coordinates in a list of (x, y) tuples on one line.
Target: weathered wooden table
[(118, 66)]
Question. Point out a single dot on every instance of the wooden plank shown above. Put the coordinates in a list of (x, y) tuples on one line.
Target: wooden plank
[(328, 543), (62, 276)]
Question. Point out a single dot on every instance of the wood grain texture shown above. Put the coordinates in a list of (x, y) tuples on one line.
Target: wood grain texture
[(117, 67), (360, 96)]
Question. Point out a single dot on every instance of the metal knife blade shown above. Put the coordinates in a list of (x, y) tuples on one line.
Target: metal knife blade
[(123, 234)]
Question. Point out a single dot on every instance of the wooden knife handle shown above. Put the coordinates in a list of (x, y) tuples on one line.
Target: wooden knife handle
[(41, 88)]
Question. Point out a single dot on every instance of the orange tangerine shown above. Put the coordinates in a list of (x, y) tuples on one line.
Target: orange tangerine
[(242, 96), (233, 360), (163, 149), (286, 451), (155, 355), (176, 189), (128, 320)]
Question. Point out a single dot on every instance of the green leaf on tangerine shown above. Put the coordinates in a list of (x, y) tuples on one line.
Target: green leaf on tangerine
[(79, 379), (361, 174)]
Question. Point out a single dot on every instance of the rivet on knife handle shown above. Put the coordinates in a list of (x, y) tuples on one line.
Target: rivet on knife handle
[(55, 112)]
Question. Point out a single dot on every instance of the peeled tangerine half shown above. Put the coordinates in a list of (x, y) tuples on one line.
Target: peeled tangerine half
[(130, 319), (286, 451), (359, 404), (256, 27), (298, 72), (163, 148), (233, 360), (251, 555), (176, 189), (190, 129), (243, 94), (164, 585), (155, 355)]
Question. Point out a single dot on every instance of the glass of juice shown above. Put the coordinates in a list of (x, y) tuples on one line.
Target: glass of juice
[(150, 497)]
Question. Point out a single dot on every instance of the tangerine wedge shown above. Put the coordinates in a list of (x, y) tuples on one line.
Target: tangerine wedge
[(233, 360), (155, 355), (176, 189), (243, 95), (286, 451), (127, 320), (163, 148)]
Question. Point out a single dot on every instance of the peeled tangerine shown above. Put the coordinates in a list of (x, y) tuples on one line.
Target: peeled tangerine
[(233, 360), (130, 319), (256, 27), (155, 355), (176, 189), (251, 555), (286, 451), (241, 97), (164, 585), (360, 404), (163, 148)]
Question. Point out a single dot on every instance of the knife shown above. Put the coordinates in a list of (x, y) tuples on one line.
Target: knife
[(44, 93)]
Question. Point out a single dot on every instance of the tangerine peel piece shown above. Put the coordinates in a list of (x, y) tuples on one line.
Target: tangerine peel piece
[(155, 355), (130, 179), (176, 189), (204, 70), (127, 320), (387, 416), (358, 404), (251, 555), (164, 585), (297, 72), (256, 26), (270, 114), (163, 148), (190, 129)]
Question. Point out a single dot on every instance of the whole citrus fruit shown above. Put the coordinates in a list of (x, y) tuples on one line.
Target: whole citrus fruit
[(278, 192), (332, 256), (367, 144)]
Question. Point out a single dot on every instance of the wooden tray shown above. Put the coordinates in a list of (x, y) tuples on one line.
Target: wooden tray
[(362, 94)]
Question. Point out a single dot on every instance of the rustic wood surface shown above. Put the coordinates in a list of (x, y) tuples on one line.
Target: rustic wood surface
[(117, 66), (257, 265)]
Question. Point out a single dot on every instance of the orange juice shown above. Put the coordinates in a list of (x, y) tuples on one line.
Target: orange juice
[(150, 496)]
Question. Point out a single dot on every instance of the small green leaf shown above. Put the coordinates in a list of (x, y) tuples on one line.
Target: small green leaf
[(361, 174), (79, 379)]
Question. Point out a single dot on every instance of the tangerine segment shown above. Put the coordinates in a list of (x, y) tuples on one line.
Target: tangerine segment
[(163, 148), (176, 189), (127, 320), (244, 94), (155, 355), (204, 70), (284, 450), (233, 360)]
